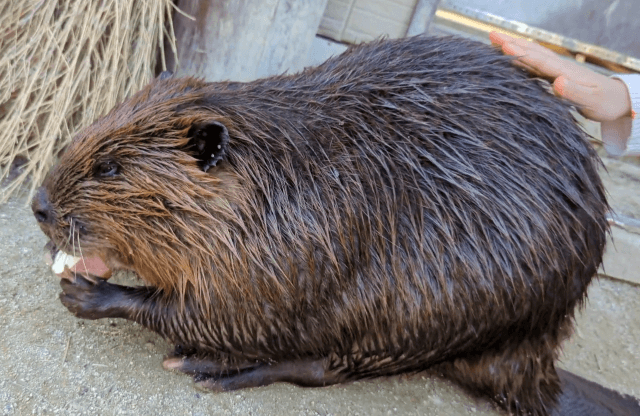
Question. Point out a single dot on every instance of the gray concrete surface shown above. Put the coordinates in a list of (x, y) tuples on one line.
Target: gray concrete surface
[(53, 363), (622, 256), (244, 40), (322, 49)]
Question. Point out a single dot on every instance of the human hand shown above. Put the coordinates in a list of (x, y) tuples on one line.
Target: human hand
[(597, 96)]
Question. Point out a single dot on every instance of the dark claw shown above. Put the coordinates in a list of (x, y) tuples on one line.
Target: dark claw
[(211, 384), (80, 283)]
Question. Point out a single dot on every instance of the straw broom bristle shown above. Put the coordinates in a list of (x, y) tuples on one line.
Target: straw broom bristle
[(62, 64)]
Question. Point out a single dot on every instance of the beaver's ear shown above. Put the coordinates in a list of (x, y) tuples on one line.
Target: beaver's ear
[(208, 143)]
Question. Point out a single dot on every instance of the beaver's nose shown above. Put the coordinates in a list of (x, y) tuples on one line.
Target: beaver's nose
[(41, 207)]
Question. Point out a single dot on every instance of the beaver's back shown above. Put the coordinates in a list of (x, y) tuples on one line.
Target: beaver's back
[(418, 187)]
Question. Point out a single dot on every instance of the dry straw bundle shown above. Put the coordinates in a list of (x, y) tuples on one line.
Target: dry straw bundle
[(62, 64)]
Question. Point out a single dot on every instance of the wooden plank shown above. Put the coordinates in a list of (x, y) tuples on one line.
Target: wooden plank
[(367, 22), (422, 16), (335, 18), (356, 21)]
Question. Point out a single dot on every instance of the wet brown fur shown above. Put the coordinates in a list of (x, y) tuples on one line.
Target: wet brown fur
[(410, 203)]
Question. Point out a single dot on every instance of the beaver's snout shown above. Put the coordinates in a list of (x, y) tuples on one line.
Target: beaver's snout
[(43, 209)]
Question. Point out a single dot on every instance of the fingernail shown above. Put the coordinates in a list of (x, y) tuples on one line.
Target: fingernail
[(560, 85)]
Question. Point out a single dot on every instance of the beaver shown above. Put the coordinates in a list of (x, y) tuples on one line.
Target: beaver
[(410, 204)]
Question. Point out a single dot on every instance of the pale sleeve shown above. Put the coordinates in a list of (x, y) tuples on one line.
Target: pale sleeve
[(622, 137)]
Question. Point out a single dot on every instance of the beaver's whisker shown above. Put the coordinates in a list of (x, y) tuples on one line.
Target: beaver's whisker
[(80, 249), (73, 239), (70, 236)]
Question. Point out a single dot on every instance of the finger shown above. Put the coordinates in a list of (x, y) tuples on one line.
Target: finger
[(500, 39), (586, 97), (548, 64), (66, 285), (577, 93), (539, 59), (69, 302), (517, 46), (533, 71), (79, 283), (518, 52)]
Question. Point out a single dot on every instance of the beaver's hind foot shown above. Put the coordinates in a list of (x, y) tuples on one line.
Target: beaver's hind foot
[(304, 372), (519, 378), (201, 367)]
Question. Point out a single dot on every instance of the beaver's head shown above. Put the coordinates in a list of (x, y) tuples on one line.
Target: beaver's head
[(144, 185)]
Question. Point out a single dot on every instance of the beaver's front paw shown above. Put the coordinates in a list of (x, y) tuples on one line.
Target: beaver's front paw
[(89, 300)]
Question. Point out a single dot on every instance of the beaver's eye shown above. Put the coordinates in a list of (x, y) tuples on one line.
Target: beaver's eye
[(107, 169)]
